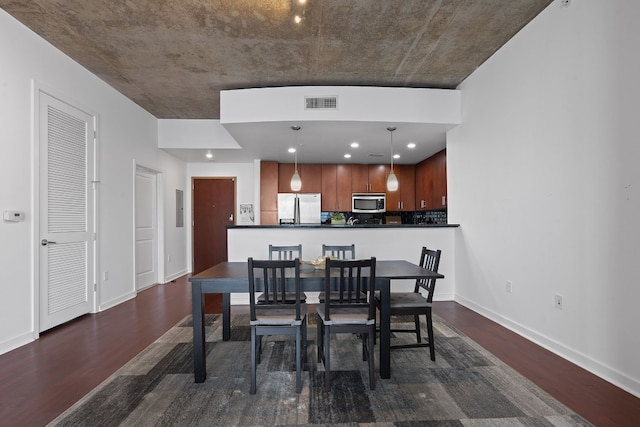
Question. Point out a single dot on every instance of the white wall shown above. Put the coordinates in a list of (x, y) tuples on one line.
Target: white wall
[(126, 134), (543, 177)]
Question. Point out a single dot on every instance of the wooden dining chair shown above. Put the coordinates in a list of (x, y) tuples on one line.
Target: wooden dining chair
[(353, 312), (276, 316), (417, 303), (288, 252), (339, 251), (285, 252)]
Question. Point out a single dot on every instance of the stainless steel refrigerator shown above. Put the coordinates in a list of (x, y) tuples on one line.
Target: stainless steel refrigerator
[(299, 208)]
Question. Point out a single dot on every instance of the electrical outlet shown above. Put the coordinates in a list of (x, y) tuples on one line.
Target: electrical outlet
[(105, 276), (509, 286), (558, 301)]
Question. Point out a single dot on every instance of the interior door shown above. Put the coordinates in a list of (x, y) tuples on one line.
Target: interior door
[(213, 209), (146, 225), (67, 224)]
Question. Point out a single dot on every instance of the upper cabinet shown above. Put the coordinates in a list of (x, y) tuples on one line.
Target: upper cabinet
[(369, 178), (431, 182), (268, 193), (336, 187), (404, 199), (310, 175)]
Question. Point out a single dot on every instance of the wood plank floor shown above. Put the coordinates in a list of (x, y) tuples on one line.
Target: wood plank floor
[(40, 380)]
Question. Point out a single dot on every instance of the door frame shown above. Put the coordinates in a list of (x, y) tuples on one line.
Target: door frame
[(159, 222), (36, 89)]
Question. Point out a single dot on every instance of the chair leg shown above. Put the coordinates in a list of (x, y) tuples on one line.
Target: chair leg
[(432, 344), (416, 319), (319, 338), (372, 375), (327, 356), (304, 341), (298, 359), (253, 360)]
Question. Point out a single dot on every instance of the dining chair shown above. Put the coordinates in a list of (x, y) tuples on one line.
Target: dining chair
[(339, 251), (352, 312), (287, 252), (416, 303), (276, 316)]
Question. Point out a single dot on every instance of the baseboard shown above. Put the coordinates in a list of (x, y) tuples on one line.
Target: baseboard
[(112, 303), (19, 341), (174, 276), (607, 373)]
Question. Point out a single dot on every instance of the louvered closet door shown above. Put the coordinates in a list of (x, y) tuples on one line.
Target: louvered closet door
[(66, 212)]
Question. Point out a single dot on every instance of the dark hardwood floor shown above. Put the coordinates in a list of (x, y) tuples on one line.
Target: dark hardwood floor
[(40, 380)]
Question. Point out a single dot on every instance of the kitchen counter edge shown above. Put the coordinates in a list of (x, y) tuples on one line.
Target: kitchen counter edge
[(347, 226)]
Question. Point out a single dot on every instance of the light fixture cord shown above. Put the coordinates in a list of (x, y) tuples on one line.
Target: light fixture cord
[(391, 150)]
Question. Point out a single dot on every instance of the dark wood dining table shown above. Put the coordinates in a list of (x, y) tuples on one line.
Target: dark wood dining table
[(232, 277)]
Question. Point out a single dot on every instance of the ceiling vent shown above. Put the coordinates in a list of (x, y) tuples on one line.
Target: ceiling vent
[(321, 103)]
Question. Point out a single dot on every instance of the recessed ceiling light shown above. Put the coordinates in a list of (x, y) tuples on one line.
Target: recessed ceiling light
[(355, 145), (396, 156), (411, 145), (347, 156), (291, 150), (209, 155), (297, 19)]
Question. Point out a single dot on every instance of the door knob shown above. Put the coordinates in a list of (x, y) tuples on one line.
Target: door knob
[(46, 242)]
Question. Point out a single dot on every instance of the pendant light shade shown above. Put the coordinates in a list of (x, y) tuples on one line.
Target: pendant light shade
[(296, 182), (392, 180)]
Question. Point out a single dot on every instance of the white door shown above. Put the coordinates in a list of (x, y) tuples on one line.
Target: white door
[(67, 224), (146, 224)]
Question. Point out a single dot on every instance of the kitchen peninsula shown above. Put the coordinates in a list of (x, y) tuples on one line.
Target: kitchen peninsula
[(385, 242)]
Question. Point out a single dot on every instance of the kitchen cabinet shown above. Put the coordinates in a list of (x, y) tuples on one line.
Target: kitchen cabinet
[(431, 182), (310, 175), (268, 193), (336, 187), (404, 199), (369, 178)]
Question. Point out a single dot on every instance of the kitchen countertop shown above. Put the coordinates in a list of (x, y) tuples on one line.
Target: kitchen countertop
[(347, 226)]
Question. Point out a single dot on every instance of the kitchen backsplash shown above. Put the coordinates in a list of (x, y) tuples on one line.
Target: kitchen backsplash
[(417, 217)]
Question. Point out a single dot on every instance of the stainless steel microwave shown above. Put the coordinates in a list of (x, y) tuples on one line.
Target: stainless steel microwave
[(368, 202)]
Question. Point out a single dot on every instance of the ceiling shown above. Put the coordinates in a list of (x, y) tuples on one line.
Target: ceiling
[(172, 57)]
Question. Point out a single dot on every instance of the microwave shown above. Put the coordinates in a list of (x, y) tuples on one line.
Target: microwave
[(368, 202)]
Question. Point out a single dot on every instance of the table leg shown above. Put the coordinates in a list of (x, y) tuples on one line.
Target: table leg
[(199, 361), (226, 317), (385, 329)]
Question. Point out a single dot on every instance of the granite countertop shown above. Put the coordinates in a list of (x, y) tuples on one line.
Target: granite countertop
[(347, 226)]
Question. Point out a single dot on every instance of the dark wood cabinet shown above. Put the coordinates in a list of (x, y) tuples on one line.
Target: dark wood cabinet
[(336, 187), (431, 182), (310, 175), (268, 193), (404, 199), (369, 178)]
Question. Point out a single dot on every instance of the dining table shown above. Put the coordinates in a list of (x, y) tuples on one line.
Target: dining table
[(232, 277)]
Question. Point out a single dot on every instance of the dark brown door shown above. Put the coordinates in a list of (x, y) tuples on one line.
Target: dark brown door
[(213, 209)]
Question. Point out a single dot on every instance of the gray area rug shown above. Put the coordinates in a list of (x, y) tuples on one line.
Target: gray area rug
[(465, 386)]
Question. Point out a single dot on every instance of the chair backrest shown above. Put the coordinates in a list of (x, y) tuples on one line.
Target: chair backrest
[(351, 284), (274, 278), (430, 260), (285, 252), (339, 251)]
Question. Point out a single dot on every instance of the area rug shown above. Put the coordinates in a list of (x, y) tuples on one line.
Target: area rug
[(465, 386)]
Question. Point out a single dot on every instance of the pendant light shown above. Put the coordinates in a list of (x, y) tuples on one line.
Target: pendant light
[(392, 181), (296, 182)]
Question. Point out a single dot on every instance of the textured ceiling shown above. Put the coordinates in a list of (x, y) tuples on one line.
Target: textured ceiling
[(172, 57)]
